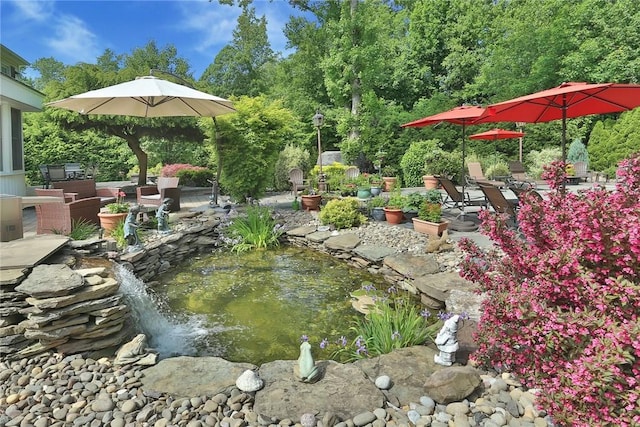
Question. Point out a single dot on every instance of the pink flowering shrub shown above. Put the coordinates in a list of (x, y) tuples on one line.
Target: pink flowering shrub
[(172, 170), (563, 299)]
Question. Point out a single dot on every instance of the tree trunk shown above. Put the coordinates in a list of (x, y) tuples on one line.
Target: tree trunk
[(134, 144), (356, 96)]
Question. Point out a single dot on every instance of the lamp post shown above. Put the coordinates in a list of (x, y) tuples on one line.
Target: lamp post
[(318, 121), (520, 125)]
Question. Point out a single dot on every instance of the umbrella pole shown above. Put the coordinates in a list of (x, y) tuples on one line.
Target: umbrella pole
[(564, 137), (462, 170), (219, 166)]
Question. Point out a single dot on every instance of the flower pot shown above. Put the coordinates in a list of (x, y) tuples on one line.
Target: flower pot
[(364, 193), (393, 215), (431, 228), (378, 214), (389, 182), (311, 202), (430, 182), (409, 215), (109, 221), (376, 190)]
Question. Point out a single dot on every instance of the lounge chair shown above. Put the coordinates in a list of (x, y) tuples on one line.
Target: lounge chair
[(296, 178), (476, 176), (53, 218), (56, 173), (455, 199), (153, 195), (519, 175), (498, 202)]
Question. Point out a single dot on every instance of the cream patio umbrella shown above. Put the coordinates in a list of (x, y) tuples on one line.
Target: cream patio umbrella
[(148, 96)]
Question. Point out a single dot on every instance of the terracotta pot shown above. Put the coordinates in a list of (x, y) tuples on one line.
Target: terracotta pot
[(311, 202), (430, 182), (431, 228), (109, 221), (389, 182), (394, 216)]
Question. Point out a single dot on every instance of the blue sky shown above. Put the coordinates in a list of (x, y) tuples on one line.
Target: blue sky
[(80, 31)]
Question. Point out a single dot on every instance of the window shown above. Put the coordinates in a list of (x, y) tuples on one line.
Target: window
[(16, 138)]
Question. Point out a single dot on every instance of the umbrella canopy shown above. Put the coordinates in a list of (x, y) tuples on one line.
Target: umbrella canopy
[(462, 115), (147, 96), (572, 99), (496, 133)]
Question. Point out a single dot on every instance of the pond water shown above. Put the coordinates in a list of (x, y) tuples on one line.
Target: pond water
[(250, 307)]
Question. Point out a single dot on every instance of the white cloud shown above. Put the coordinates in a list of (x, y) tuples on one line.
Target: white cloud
[(73, 40), (38, 11), (213, 22)]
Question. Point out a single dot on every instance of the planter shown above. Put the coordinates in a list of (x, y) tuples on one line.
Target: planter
[(109, 221), (430, 182), (389, 182), (311, 202), (364, 193), (378, 214), (409, 215), (376, 190), (393, 215), (431, 228)]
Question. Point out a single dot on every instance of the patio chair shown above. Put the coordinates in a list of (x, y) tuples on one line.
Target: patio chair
[(476, 176), (455, 199), (498, 202), (55, 192), (44, 171), (73, 171), (56, 173), (352, 172), (581, 171), (59, 218), (296, 178), (519, 175), (153, 195)]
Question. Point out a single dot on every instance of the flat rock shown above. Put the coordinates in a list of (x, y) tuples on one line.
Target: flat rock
[(302, 231), (412, 266), (85, 293), (452, 384), (464, 301), (12, 276), (409, 368), (343, 389), (186, 376), (437, 286), (374, 253), (318, 236), (50, 280), (343, 242)]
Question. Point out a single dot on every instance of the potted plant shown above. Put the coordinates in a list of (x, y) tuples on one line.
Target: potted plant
[(376, 207), (412, 204), (115, 212), (429, 220), (389, 177), (364, 186), (310, 200), (393, 210)]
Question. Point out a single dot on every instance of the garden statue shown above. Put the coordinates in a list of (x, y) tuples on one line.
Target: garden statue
[(447, 342), (162, 214), (131, 227), (306, 369)]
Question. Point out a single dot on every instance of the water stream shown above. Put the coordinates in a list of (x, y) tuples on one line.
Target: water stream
[(251, 307)]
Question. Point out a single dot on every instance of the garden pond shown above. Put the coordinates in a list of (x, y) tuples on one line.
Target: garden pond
[(248, 307)]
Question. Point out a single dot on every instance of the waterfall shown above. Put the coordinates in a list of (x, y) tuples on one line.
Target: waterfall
[(166, 334)]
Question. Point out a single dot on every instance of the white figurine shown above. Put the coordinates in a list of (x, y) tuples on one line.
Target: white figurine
[(447, 342)]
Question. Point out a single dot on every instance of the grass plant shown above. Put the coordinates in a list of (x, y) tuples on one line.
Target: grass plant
[(81, 229), (258, 230)]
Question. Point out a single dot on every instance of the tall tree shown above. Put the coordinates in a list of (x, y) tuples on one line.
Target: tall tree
[(238, 68)]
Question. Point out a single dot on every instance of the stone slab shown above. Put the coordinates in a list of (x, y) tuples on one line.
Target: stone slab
[(343, 242), (30, 251), (302, 231), (374, 253), (437, 286), (412, 266)]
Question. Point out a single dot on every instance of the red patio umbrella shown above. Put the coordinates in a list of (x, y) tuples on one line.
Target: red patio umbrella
[(462, 115), (496, 133), (572, 99)]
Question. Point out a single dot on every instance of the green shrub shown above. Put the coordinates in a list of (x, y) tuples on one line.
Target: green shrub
[(258, 230), (497, 169), (538, 159), (413, 202), (334, 174), (342, 213), (413, 161), (431, 212), (117, 234), (397, 200), (195, 177), (578, 152), (377, 202)]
